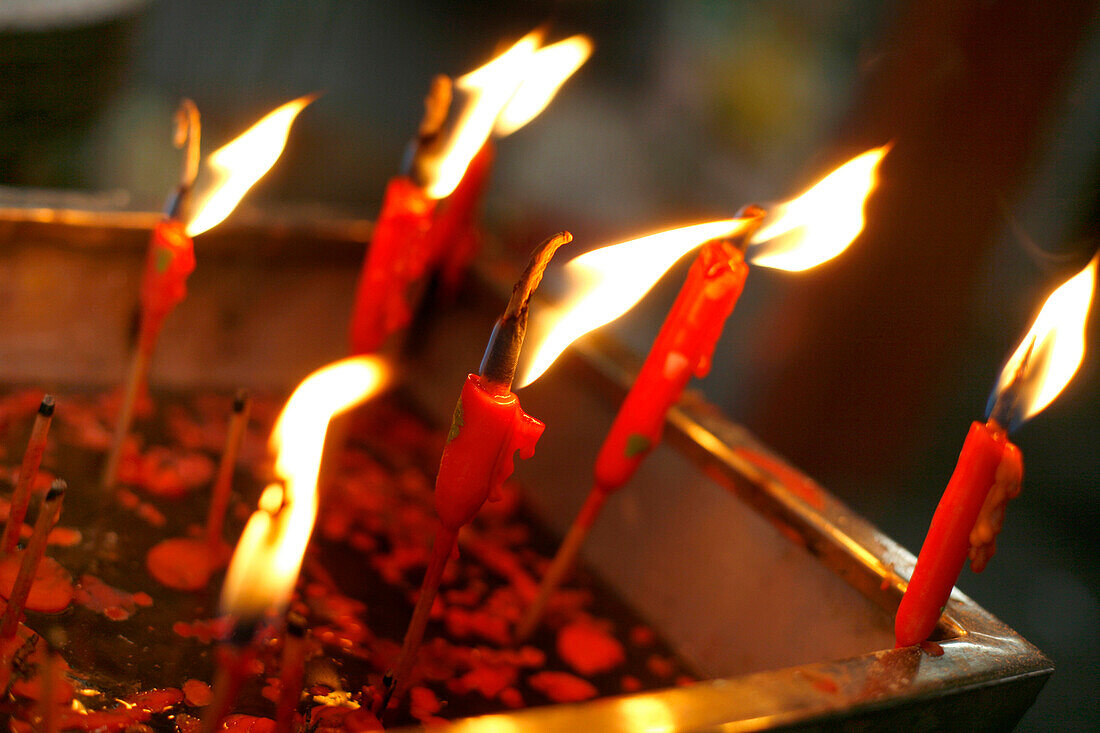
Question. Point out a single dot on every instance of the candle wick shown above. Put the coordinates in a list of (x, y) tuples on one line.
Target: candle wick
[(498, 366), (186, 135), (1005, 407), (429, 136)]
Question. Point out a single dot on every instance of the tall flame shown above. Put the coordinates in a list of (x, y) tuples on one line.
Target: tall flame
[(235, 167), (607, 282), (820, 224), (269, 553), (502, 96), (1054, 348), (550, 68)]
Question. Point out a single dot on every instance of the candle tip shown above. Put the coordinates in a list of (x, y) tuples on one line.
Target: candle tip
[(296, 624), (498, 365), (57, 489), (240, 400)]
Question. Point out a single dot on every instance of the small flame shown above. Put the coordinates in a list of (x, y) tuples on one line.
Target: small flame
[(503, 96), (605, 283), (269, 553), (1054, 348), (235, 167), (821, 223), (551, 67)]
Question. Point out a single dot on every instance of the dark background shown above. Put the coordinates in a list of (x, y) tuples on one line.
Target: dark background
[(864, 372)]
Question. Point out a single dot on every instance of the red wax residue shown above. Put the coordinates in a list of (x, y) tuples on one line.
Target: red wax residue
[(133, 710), (511, 697), (166, 473), (642, 636), (64, 536), (182, 563), (1006, 486), (114, 603), (144, 509), (488, 680), (562, 686), (659, 666), (802, 486), (196, 693), (931, 648), (588, 648), (32, 688), (332, 719), (52, 589), (204, 631), (248, 724)]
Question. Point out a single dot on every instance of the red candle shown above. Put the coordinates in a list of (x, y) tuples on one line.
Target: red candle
[(450, 163), (683, 348), (232, 170), (169, 261), (990, 468), (395, 259), (948, 541), (488, 428)]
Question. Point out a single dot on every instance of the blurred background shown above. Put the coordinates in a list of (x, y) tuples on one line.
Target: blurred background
[(864, 372)]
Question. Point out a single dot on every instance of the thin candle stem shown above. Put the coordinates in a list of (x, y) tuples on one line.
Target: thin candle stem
[(28, 472)]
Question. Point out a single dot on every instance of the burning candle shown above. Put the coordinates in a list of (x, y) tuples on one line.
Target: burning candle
[(797, 235), (269, 553), (488, 428), (202, 201), (989, 471), (428, 213)]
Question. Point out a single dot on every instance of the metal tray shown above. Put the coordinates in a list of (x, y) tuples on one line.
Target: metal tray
[(778, 594)]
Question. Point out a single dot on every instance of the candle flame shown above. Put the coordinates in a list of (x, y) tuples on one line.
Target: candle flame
[(234, 168), (820, 224), (269, 553), (503, 96), (605, 283), (550, 68), (1053, 349)]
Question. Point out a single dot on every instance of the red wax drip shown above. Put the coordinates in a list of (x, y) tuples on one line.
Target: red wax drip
[(947, 543), (170, 259), (486, 432), (562, 687), (588, 648), (184, 563), (52, 587)]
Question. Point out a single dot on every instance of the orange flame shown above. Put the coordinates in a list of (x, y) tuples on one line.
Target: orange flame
[(820, 224), (606, 283), (550, 68), (269, 553), (235, 167), (1056, 343), (503, 96)]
